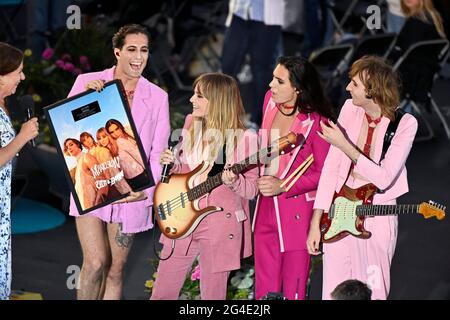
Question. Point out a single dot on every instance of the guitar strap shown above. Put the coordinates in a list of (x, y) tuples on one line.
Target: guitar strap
[(391, 130), (390, 133), (219, 163)]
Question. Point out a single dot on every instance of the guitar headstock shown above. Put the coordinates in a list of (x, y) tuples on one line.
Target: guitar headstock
[(290, 142), (432, 209)]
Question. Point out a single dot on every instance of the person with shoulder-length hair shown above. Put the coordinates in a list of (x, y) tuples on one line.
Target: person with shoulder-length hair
[(106, 150), (423, 23), (354, 160), (106, 234), (11, 74), (85, 183), (222, 238), (117, 184), (128, 153), (295, 103)]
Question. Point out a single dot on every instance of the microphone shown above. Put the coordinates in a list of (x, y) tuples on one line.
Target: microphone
[(166, 168), (27, 103)]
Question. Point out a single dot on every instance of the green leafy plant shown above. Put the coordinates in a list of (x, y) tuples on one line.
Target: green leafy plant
[(240, 285)]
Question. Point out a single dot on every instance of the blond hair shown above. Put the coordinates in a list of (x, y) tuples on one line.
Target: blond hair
[(381, 83), (225, 109), (425, 7)]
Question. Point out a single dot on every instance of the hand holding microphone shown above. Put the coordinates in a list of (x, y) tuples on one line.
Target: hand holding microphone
[(30, 128), (167, 159)]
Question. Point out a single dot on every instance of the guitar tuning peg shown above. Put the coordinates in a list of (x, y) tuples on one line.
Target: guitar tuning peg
[(292, 145)]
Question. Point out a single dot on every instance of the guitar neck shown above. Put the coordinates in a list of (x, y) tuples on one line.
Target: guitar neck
[(384, 210), (216, 180)]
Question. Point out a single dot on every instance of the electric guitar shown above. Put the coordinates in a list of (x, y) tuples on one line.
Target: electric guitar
[(351, 206), (176, 203)]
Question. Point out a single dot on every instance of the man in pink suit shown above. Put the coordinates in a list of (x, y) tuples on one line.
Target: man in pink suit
[(354, 160), (106, 234), (295, 103)]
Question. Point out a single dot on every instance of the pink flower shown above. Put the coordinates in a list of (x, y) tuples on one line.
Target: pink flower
[(77, 71), (69, 67), (66, 57), (196, 273), (48, 53), (60, 64)]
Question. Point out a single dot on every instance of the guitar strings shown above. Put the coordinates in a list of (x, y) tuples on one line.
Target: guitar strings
[(177, 202)]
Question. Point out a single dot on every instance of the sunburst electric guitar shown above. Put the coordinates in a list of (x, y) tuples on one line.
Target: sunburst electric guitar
[(351, 206), (176, 203)]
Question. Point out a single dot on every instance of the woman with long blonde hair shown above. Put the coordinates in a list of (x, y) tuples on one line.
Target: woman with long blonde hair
[(423, 23), (425, 11), (221, 239)]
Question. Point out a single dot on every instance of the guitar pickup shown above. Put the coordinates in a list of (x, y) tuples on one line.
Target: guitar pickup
[(331, 213), (182, 200), (161, 214)]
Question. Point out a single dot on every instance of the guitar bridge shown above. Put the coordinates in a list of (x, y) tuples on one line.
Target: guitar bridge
[(161, 213)]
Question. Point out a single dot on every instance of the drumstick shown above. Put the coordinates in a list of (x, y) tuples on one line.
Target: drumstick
[(296, 170), (299, 175)]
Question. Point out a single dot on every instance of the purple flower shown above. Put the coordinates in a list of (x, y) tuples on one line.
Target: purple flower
[(87, 67), (69, 67), (196, 273), (60, 64), (84, 60), (48, 53), (66, 57), (77, 71)]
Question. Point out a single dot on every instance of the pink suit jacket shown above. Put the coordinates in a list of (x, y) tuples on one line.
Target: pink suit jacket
[(294, 208), (150, 112), (389, 175), (229, 231)]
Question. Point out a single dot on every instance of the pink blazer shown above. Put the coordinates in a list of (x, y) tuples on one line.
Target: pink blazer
[(229, 230), (389, 175), (150, 112), (294, 208)]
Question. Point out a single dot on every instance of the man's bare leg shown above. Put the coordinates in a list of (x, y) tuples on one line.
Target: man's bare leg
[(96, 257), (120, 244)]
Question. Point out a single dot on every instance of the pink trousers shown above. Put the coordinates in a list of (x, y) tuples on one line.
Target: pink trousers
[(367, 260), (172, 273), (277, 271)]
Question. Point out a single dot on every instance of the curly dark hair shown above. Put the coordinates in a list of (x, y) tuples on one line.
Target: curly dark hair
[(118, 40)]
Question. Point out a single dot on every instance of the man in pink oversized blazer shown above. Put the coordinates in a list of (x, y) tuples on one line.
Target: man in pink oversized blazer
[(295, 103), (354, 160), (106, 234)]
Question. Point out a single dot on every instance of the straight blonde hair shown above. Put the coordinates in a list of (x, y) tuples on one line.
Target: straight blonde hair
[(425, 7), (225, 110)]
